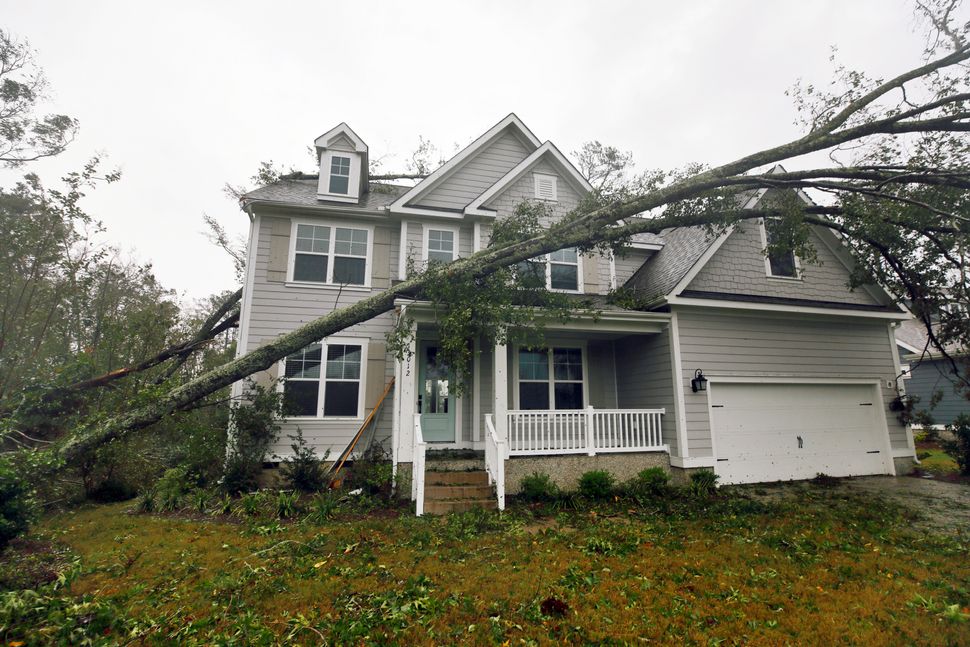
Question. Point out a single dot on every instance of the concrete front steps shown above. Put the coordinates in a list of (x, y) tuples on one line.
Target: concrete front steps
[(452, 491)]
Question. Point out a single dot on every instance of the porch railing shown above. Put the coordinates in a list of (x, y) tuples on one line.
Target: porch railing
[(584, 431), (495, 460), (419, 448)]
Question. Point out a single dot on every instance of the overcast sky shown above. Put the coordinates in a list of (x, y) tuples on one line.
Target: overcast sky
[(183, 97)]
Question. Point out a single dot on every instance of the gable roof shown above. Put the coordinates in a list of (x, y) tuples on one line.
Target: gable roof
[(510, 122), (338, 132), (547, 152)]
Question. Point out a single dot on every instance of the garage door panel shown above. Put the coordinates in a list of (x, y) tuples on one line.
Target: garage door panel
[(767, 432)]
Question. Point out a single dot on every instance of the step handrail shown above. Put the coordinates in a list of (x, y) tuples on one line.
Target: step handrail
[(495, 460), (335, 467)]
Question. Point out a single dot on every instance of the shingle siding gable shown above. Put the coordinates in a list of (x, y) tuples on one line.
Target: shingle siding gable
[(477, 174), (738, 267)]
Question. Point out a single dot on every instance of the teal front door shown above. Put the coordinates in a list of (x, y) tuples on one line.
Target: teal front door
[(436, 402)]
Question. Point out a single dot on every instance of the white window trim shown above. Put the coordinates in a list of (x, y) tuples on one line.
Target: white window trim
[(764, 246), (291, 260), (363, 342), (581, 345), (353, 183), (579, 274), (539, 177), (426, 235)]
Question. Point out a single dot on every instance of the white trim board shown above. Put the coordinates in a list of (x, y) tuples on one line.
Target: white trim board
[(715, 304)]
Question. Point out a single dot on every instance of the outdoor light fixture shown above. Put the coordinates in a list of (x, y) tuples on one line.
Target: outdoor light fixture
[(699, 383)]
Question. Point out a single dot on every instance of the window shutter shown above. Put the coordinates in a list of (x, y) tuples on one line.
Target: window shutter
[(279, 248), (381, 262), (376, 374), (591, 278)]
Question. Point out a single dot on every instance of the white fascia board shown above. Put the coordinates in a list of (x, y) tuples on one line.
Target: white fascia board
[(912, 349), (570, 174), (652, 247), (465, 153), (341, 129), (771, 307), (433, 213)]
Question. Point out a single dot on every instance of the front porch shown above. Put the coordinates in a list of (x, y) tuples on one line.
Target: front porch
[(589, 391)]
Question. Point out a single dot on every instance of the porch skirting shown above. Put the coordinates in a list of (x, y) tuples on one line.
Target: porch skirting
[(565, 470)]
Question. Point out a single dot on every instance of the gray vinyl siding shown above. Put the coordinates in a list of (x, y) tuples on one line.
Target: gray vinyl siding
[(763, 346), (414, 237), (277, 308), (929, 377), (645, 379), (738, 267), (477, 174), (602, 375)]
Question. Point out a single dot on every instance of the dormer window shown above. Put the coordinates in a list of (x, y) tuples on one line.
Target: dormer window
[(779, 264), (343, 165), (339, 174), (545, 186)]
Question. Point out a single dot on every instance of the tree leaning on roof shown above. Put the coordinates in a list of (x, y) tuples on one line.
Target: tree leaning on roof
[(903, 214)]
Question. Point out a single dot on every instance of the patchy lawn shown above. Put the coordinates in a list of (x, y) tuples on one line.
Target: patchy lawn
[(823, 567), (938, 462)]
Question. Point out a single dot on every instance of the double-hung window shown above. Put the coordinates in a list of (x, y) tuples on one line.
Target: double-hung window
[(323, 380), (329, 254), (339, 174), (781, 264), (441, 245), (557, 271), (551, 378)]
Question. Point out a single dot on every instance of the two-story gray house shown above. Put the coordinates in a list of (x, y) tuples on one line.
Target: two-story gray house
[(760, 368)]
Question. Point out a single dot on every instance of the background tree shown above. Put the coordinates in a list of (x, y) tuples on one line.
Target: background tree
[(26, 136)]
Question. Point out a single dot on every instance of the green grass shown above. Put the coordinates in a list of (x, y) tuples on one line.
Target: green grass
[(939, 462), (825, 568)]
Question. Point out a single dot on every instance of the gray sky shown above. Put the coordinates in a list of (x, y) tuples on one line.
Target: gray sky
[(184, 97)]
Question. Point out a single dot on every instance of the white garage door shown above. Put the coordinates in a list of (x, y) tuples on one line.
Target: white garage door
[(771, 432)]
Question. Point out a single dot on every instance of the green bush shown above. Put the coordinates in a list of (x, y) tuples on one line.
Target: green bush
[(324, 507), (654, 481), (303, 471), (373, 472), (596, 484), (959, 447), (255, 426), (287, 504), (171, 488), (703, 483), (538, 487), (16, 504)]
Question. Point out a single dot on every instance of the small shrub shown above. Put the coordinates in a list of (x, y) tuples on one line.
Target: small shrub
[(649, 483), (225, 504), (200, 501), (304, 471), (148, 501), (703, 483), (373, 472), (171, 488), (538, 487), (251, 502), (255, 426), (287, 504), (596, 484), (324, 507), (923, 455), (16, 504), (959, 447)]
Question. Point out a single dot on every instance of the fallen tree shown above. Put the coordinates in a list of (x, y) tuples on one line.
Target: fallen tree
[(895, 210)]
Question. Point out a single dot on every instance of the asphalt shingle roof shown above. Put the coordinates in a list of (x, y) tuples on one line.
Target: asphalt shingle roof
[(304, 193)]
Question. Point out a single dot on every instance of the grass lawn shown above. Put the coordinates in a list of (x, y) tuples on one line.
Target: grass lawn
[(938, 462), (825, 568)]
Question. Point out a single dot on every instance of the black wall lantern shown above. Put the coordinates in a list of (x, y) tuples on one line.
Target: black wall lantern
[(699, 383)]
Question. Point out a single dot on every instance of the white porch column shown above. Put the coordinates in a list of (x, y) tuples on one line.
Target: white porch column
[(405, 420), (500, 388)]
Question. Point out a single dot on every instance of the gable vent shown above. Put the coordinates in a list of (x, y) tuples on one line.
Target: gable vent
[(546, 187)]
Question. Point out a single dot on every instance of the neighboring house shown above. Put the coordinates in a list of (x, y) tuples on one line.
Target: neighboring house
[(799, 369), (925, 373)]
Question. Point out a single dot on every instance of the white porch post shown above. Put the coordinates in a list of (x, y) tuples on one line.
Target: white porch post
[(500, 388), (405, 419)]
